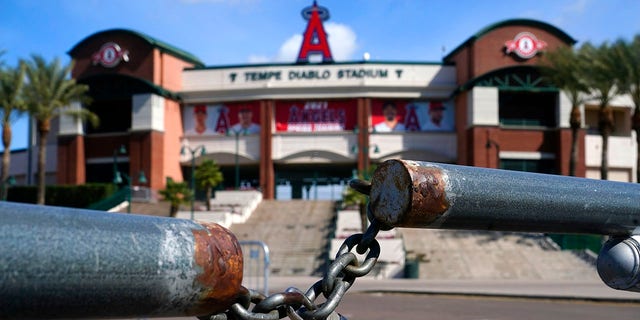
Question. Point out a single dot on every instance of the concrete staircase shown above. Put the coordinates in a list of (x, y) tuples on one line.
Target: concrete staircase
[(297, 233), (451, 254)]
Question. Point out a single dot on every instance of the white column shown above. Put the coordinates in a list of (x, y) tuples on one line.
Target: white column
[(147, 112)]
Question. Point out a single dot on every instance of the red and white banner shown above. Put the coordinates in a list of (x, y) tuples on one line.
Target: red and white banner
[(315, 116), (405, 115), (216, 119)]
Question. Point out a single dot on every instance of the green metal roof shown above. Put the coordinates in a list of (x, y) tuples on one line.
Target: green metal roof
[(515, 78), (294, 64), (513, 22), (163, 46)]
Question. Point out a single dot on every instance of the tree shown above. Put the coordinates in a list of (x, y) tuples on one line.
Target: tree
[(48, 93), (11, 104), (208, 175), (628, 54), (351, 197), (565, 69), (177, 193), (602, 77)]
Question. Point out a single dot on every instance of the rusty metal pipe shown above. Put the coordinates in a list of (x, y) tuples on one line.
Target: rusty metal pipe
[(429, 195), (70, 263)]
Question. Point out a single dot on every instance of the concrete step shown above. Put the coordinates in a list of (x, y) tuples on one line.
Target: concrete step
[(296, 232), (453, 254)]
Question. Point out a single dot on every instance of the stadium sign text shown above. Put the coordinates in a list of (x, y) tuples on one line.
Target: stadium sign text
[(316, 74)]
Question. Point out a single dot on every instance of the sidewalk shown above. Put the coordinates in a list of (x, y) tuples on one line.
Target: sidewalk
[(571, 290)]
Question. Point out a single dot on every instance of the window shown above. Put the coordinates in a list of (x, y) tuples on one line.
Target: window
[(621, 121), (527, 109), (114, 115)]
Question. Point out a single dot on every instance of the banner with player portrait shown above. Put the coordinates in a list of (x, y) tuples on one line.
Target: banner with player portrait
[(222, 118), (315, 116), (407, 115)]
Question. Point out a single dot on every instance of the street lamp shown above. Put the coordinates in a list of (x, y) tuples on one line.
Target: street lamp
[(120, 150), (193, 152), (117, 175), (117, 179), (237, 135), (488, 145)]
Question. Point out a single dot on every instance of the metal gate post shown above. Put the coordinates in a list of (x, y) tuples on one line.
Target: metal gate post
[(252, 265), (429, 195), (70, 263)]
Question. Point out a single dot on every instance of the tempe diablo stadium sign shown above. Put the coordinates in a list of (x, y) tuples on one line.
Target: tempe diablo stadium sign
[(328, 74)]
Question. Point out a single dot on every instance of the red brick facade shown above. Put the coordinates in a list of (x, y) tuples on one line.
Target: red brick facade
[(482, 54), (151, 64), (159, 67)]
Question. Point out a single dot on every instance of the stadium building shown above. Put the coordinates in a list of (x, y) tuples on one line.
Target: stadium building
[(301, 130)]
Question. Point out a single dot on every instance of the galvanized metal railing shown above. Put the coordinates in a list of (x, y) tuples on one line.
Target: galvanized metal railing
[(70, 263), (112, 201), (73, 263), (428, 195), (257, 262), (442, 196)]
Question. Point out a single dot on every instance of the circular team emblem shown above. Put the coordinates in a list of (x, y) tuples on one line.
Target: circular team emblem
[(110, 55), (525, 45), (323, 13)]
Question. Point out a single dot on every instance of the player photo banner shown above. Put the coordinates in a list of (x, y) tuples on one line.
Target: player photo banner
[(403, 115), (315, 116), (221, 119)]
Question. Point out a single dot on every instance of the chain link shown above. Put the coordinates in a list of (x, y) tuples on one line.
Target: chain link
[(340, 276)]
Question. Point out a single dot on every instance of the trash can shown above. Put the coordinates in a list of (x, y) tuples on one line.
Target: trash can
[(412, 268)]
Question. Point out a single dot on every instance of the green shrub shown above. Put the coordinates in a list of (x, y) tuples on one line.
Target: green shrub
[(74, 196)]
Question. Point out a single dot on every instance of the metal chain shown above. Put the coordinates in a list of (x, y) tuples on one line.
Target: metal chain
[(339, 277)]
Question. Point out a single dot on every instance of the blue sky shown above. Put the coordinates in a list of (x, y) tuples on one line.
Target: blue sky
[(227, 32)]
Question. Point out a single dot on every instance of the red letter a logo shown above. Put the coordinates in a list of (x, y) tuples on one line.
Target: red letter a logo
[(411, 122), (222, 124), (315, 39)]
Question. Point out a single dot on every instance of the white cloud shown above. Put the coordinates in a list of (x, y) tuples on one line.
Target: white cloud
[(342, 42), (289, 49), (256, 59)]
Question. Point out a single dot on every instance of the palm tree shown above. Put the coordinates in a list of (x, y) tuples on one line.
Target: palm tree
[(11, 103), (208, 175), (602, 74), (48, 93), (177, 193), (565, 69), (629, 56)]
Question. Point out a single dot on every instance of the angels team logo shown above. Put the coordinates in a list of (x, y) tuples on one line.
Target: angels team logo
[(315, 38), (110, 55), (525, 45)]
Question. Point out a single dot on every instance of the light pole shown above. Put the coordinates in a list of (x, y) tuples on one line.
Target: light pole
[(193, 152), (237, 165), (488, 147), (118, 179), (117, 175), (120, 150)]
